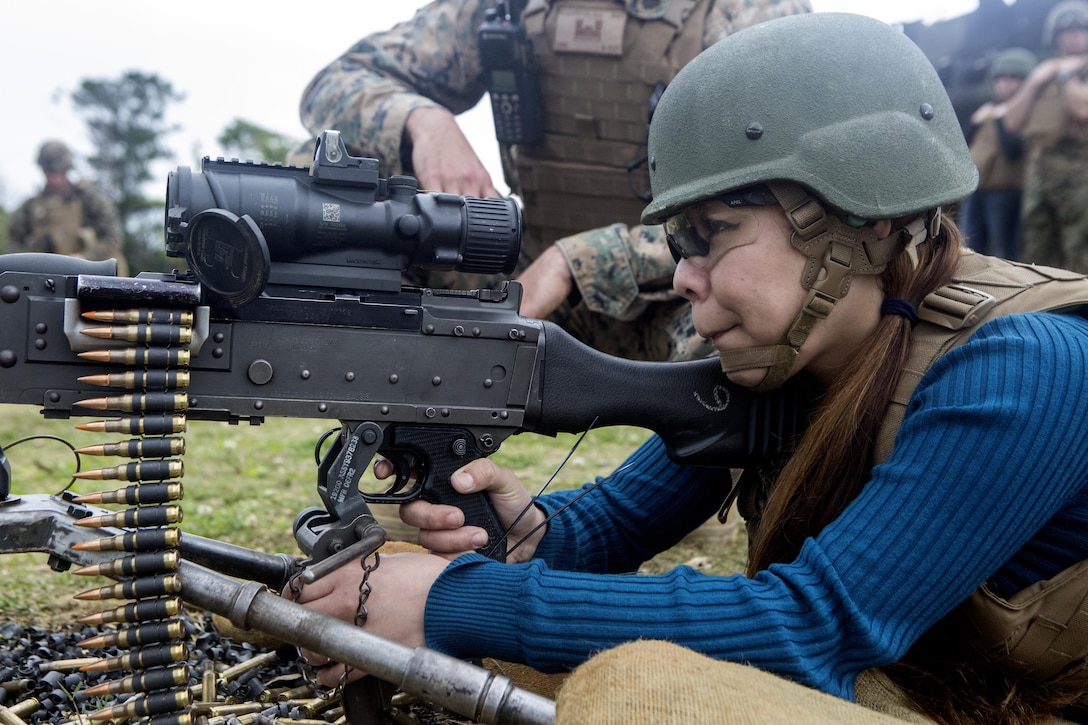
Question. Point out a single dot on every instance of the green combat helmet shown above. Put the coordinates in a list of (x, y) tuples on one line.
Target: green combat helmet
[(1013, 61), (54, 157), (1064, 15), (1017, 62), (844, 119)]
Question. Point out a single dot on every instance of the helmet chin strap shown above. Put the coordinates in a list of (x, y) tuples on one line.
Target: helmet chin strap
[(835, 252)]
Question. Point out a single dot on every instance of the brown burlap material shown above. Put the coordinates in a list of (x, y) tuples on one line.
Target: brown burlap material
[(875, 691), (527, 678), (662, 683)]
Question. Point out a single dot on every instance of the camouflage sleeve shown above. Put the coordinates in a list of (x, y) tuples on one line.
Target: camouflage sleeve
[(368, 92), (729, 16), (618, 269)]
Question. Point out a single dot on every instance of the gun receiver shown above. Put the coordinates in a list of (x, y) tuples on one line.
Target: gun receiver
[(428, 379), (292, 306)]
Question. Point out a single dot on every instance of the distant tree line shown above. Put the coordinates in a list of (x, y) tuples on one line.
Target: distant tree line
[(127, 123)]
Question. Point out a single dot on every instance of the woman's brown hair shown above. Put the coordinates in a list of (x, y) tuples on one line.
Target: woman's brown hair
[(833, 458), (942, 674)]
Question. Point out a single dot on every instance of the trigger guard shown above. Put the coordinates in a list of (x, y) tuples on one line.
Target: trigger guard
[(402, 468)]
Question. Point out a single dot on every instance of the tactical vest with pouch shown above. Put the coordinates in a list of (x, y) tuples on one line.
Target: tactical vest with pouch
[(996, 171), (599, 65), (56, 223), (1050, 124), (1040, 633)]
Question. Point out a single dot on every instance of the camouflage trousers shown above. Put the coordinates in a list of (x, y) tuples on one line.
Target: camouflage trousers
[(1054, 219)]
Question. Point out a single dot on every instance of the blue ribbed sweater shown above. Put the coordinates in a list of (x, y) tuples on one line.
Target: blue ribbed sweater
[(987, 482)]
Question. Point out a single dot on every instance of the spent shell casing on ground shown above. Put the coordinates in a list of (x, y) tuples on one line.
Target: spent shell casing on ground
[(142, 564), (18, 686), (152, 470), (318, 705), (160, 424), (152, 656), (153, 703), (241, 668), (207, 681), (295, 693), (29, 706), (140, 380), (8, 716), (150, 492), (139, 402), (270, 694), (221, 709), (152, 334), (142, 315), (138, 634), (64, 665), (143, 540), (142, 611), (160, 678), (140, 588), (146, 516), (151, 357), (78, 719)]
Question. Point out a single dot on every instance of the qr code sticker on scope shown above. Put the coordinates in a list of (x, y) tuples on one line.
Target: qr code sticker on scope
[(330, 212)]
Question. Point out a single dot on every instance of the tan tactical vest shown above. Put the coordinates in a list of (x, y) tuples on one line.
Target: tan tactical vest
[(1049, 122), (995, 169), (1040, 633), (598, 64), (56, 224)]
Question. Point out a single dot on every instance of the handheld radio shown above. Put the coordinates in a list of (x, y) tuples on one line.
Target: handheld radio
[(506, 55)]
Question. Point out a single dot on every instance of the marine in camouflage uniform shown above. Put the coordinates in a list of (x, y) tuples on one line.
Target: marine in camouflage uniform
[(1054, 214), (596, 99), (67, 218), (990, 218)]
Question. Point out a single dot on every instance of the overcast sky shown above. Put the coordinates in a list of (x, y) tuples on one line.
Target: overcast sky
[(231, 60)]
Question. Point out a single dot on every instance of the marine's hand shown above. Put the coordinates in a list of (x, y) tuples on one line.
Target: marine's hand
[(399, 589), (1051, 68), (442, 158), (984, 113), (443, 530), (547, 282)]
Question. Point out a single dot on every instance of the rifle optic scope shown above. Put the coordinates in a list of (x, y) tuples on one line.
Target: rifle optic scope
[(243, 225)]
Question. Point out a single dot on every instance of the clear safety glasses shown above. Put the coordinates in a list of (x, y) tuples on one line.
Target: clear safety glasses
[(717, 225)]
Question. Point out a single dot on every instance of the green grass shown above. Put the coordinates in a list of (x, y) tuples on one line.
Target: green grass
[(245, 484)]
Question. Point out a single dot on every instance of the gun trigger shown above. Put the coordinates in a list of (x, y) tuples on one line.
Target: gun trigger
[(403, 469)]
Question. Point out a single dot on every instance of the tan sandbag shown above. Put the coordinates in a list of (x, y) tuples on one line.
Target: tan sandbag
[(662, 683)]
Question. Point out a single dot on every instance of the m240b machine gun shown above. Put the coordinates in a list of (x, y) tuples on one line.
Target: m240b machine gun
[(298, 311), (292, 306)]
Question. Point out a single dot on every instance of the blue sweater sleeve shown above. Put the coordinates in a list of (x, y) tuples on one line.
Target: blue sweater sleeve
[(989, 454), (646, 506)]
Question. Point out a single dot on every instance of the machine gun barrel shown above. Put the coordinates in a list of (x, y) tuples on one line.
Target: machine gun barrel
[(461, 687)]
